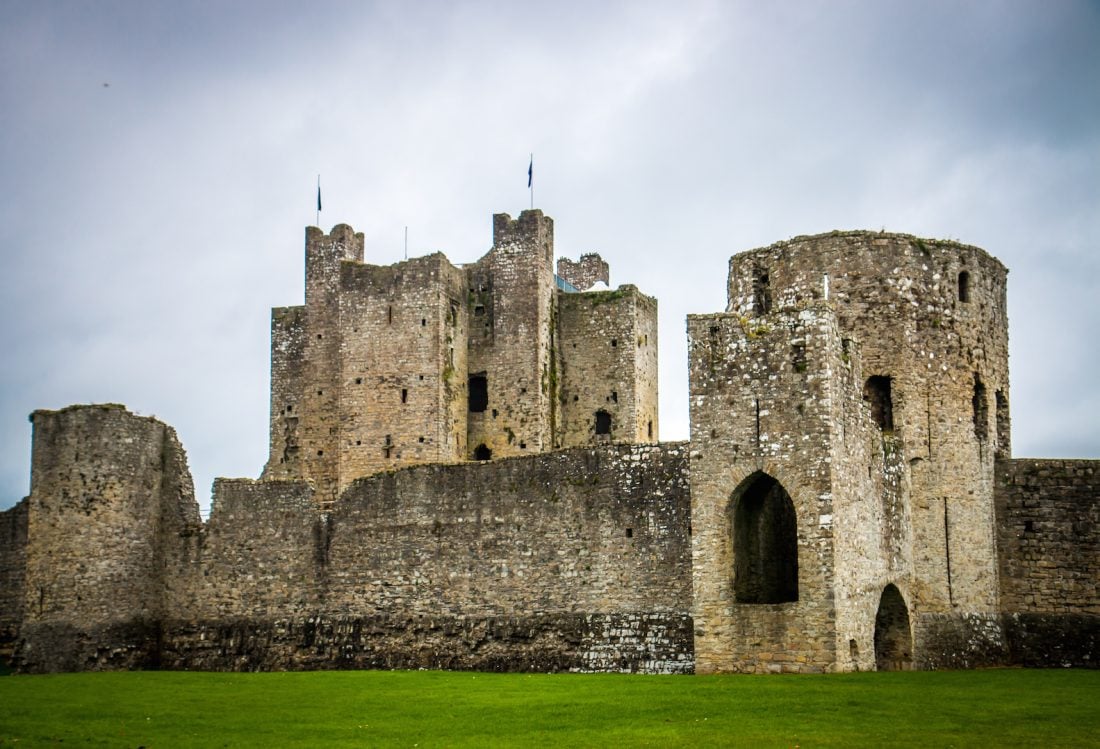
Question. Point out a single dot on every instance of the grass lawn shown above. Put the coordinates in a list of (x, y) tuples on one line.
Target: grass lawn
[(430, 708)]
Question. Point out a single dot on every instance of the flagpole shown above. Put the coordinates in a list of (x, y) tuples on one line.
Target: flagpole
[(406, 243)]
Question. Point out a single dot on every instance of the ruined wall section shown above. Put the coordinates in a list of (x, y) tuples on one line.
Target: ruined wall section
[(403, 365), (584, 273), (608, 350), (646, 390), (110, 516), (511, 338), (761, 406), (13, 570), (288, 344), (1048, 528), (931, 318)]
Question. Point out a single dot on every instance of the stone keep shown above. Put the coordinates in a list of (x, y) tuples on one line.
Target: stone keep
[(846, 411), (427, 362)]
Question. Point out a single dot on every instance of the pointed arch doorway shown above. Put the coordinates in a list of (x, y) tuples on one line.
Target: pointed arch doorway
[(765, 542), (893, 634)]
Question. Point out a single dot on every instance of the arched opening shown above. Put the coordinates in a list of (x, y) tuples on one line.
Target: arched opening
[(876, 391), (765, 542), (603, 422), (481, 452), (893, 636)]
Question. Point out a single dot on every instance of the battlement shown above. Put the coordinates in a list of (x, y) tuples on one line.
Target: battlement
[(531, 229)]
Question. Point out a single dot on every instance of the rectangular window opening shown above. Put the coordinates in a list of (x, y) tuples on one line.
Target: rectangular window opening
[(478, 393)]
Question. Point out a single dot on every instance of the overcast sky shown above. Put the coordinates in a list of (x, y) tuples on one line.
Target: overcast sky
[(158, 162)]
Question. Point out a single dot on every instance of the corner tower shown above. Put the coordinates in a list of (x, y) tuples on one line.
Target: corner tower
[(512, 409), (305, 366)]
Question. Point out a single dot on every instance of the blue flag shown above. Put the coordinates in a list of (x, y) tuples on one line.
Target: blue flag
[(530, 171), (318, 198)]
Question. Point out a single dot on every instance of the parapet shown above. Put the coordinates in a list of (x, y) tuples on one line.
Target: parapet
[(531, 226)]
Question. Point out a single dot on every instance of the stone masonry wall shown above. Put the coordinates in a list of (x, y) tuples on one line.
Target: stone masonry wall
[(288, 339), (573, 560), (13, 569), (403, 362), (261, 552), (1048, 523), (608, 352), (569, 560), (871, 523), (580, 531)]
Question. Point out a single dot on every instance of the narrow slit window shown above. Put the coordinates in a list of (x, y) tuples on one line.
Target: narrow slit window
[(404, 395), (964, 286), (980, 405), (1004, 438), (761, 291)]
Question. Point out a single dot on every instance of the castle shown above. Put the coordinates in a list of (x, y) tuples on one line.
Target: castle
[(464, 472)]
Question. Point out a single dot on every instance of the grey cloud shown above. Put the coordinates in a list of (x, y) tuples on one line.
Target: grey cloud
[(148, 227)]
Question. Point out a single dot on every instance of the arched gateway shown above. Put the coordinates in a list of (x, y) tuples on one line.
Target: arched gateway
[(765, 542), (893, 635)]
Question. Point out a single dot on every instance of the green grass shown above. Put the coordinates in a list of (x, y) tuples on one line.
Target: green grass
[(376, 708)]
